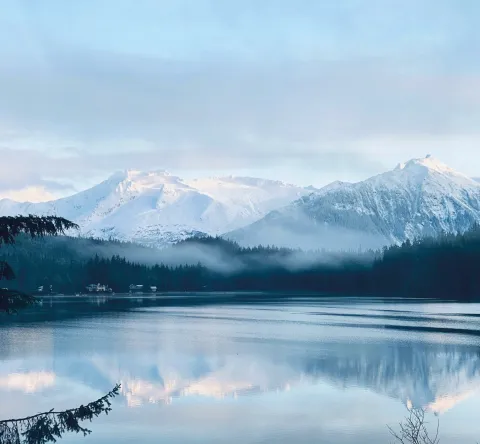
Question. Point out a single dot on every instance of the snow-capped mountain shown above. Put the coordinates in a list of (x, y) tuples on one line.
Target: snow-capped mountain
[(156, 208), (432, 376), (420, 197)]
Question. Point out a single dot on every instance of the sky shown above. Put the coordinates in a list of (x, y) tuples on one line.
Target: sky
[(304, 91)]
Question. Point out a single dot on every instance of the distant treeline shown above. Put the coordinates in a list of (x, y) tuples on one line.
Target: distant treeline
[(444, 267)]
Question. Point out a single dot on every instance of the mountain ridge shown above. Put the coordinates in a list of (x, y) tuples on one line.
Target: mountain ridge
[(157, 208), (421, 197)]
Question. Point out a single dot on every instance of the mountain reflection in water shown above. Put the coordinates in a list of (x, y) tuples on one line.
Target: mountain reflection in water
[(208, 354)]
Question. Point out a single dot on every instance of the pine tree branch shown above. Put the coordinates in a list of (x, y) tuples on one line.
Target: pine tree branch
[(33, 226), (46, 427)]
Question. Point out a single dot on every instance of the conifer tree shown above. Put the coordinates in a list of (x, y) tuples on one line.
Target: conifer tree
[(44, 427), (32, 226)]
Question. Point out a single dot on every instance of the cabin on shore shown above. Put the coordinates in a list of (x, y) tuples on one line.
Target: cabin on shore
[(96, 288)]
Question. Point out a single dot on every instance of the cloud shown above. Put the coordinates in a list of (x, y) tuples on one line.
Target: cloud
[(77, 111), (28, 194), (24, 175), (230, 107)]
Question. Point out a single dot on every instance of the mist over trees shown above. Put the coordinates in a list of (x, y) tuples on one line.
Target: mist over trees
[(442, 267)]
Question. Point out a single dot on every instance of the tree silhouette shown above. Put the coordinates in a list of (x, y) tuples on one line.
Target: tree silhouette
[(33, 226), (48, 426)]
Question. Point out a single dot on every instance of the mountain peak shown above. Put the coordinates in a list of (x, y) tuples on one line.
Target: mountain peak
[(156, 208), (421, 197), (428, 162), (132, 175)]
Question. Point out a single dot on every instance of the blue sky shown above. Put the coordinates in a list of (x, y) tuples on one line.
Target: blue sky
[(303, 91)]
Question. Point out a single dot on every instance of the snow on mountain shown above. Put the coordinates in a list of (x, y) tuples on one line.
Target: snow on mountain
[(420, 197), (156, 208), (433, 376)]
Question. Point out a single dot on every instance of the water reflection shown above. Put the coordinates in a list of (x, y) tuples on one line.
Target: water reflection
[(160, 355), (419, 375), (29, 382)]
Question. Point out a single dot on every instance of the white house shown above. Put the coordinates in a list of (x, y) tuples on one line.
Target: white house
[(96, 288)]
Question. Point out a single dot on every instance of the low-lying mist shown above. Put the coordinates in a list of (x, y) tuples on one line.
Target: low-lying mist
[(304, 231), (217, 254)]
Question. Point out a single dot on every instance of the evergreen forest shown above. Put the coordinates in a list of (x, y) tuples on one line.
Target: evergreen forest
[(445, 267)]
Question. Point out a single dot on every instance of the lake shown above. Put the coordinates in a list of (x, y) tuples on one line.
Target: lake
[(280, 370)]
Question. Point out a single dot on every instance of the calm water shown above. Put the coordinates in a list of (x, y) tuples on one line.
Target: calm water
[(303, 371)]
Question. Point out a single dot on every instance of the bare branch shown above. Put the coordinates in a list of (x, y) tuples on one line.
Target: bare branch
[(413, 429)]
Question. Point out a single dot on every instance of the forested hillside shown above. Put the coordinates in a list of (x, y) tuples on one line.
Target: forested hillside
[(446, 267)]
